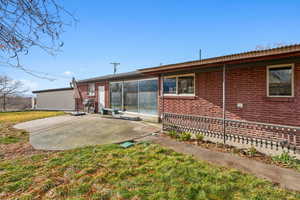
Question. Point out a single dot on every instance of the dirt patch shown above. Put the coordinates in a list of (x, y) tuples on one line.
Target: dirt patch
[(10, 151), (14, 142)]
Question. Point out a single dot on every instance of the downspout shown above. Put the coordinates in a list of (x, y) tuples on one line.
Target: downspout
[(224, 103), (161, 89)]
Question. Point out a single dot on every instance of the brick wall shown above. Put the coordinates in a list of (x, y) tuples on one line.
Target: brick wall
[(243, 85), (83, 88)]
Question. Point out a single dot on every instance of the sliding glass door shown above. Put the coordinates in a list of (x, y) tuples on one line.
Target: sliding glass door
[(116, 95), (148, 96), (138, 96), (130, 96)]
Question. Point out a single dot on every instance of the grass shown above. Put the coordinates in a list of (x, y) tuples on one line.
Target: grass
[(145, 171), (16, 117), (286, 159), (9, 135), (283, 160)]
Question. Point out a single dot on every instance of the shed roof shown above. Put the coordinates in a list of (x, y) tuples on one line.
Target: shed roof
[(52, 90), (227, 58)]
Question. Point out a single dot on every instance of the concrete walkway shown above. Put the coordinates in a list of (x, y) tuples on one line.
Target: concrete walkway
[(68, 132), (286, 178)]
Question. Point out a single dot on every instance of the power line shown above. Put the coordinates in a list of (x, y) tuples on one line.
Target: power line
[(37, 74)]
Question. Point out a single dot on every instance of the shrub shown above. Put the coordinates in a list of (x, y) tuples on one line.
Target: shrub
[(286, 158), (199, 136), (173, 133), (185, 136)]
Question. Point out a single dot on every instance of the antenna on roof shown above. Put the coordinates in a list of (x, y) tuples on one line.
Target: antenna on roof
[(200, 54), (115, 64)]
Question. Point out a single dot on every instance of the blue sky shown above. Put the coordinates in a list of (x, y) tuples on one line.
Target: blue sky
[(142, 34)]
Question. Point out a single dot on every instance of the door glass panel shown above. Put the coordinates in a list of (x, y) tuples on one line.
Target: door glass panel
[(131, 96), (116, 95), (148, 96)]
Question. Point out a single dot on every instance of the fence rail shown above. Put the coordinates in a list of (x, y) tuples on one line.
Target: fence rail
[(255, 133)]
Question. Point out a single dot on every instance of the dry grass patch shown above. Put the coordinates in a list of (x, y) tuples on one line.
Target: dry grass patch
[(17, 117)]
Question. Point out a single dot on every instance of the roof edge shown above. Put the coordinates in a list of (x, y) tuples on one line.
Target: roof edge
[(112, 77), (52, 90), (227, 58)]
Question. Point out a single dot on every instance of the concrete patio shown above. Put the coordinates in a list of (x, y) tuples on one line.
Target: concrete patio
[(68, 132)]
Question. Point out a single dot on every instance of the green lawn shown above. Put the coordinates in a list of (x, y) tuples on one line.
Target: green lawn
[(145, 171)]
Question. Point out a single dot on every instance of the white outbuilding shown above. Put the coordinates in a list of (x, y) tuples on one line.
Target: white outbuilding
[(54, 99)]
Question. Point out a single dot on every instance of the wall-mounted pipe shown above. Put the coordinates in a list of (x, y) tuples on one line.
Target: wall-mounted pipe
[(224, 103)]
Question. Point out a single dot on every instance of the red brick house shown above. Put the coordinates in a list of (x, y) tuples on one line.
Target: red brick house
[(132, 92), (262, 87)]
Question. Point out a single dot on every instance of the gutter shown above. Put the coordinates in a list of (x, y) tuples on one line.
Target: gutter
[(287, 51)]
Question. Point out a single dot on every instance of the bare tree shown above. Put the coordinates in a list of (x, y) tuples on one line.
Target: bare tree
[(28, 23), (9, 87)]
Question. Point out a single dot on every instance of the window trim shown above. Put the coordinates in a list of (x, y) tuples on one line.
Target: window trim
[(88, 92), (177, 76), (292, 65)]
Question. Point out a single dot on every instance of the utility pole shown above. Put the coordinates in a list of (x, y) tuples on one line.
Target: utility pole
[(115, 64)]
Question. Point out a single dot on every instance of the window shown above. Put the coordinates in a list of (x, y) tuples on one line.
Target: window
[(170, 86), (179, 85), (280, 80), (91, 89), (186, 85)]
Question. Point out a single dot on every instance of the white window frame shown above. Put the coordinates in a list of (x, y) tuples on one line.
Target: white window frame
[(177, 76), (94, 86), (292, 65)]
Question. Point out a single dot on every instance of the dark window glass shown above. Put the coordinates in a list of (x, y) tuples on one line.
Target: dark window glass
[(116, 95), (148, 96), (169, 86), (131, 96), (186, 85), (280, 81)]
